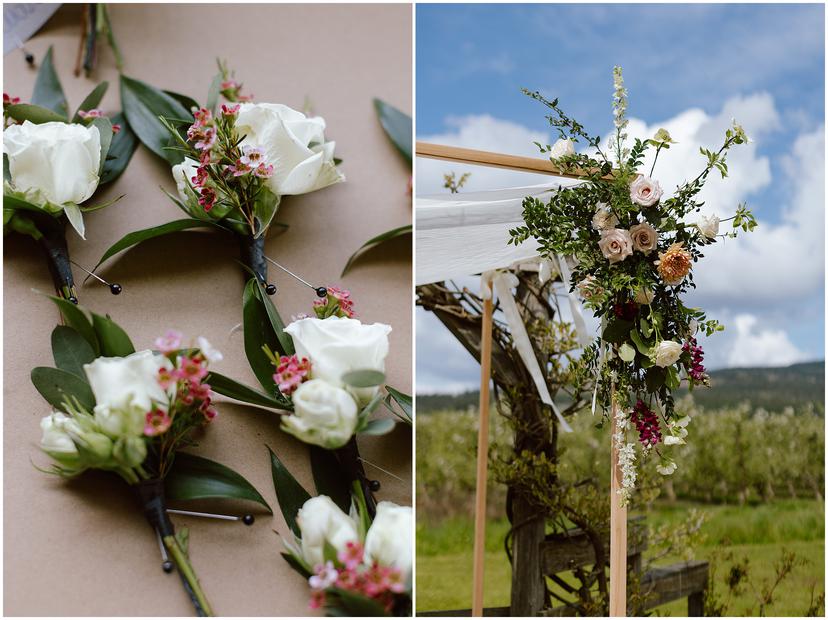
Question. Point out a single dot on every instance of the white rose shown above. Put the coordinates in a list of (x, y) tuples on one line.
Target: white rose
[(645, 192), (615, 244), (562, 147), (709, 226), (324, 415), (336, 346), (321, 521), (56, 162), (125, 389), (388, 541), (604, 218), (293, 143), (666, 353)]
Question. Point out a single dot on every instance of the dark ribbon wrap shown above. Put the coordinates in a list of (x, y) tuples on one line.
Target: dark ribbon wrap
[(252, 255), (151, 493), (54, 246)]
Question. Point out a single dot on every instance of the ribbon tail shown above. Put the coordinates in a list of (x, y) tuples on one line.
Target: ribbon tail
[(524, 346), (574, 304)]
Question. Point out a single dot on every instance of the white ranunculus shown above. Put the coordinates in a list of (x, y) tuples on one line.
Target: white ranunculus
[(295, 144), (388, 541), (337, 345), (321, 521), (709, 226), (667, 353), (324, 415), (562, 147), (645, 192), (55, 163), (125, 389)]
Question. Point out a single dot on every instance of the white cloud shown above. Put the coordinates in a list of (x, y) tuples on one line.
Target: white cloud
[(754, 346)]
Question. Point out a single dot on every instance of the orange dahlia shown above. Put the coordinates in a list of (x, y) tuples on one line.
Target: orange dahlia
[(674, 264)]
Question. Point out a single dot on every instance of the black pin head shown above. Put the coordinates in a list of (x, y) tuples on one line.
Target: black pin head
[(30, 59), (73, 299), (374, 485), (322, 291), (168, 566), (115, 289), (248, 519), (270, 289)]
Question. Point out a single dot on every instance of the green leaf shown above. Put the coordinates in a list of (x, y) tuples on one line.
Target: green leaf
[(403, 400), (372, 243), (296, 565), (121, 148), (114, 340), (345, 603), (185, 100), (138, 236), (47, 91), (264, 209), (641, 344), (655, 378), (617, 330), (77, 319), (193, 477), (330, 478), (142, 105), (92, 101), (33, 113), (672, 379), (289, 492), (258, 332), (363, 378), (378, 427), (237, 391), (285, 341), (104, 126), (397, 125), (71, 350), (57, 386)]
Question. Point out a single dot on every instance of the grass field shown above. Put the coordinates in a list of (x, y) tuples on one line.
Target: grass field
[(759, 533)]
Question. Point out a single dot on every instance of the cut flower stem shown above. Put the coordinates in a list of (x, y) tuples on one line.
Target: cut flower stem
[(182, 562)]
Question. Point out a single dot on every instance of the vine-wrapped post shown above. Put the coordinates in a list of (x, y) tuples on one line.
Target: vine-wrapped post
[(618, 533), (482, 459)]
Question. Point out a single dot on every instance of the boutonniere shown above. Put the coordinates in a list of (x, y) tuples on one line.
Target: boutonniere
[(53, 163), (132, 413), (357, 562), (232, 163)]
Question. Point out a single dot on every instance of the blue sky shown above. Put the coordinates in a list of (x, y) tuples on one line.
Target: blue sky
[(686, 66)]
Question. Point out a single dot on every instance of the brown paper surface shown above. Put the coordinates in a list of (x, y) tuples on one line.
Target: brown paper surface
[(81, 547)]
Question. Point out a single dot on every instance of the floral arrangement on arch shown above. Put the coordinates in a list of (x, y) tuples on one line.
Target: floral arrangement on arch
[(131, 413), (634, 248)]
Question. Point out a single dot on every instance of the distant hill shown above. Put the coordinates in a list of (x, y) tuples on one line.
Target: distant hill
[(770, 388)]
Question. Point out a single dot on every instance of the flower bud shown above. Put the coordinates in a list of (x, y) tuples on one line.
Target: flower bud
[(324, 415)]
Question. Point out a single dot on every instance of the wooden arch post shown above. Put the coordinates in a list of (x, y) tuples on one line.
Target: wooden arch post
[(618, 513)]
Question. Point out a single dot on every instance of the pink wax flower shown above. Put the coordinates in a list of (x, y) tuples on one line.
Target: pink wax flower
[(201, 176), (337, 303), (169, 342), (9, 100), (207, 198), (351, 557), (192, 369), (290, 373), (205, 139), (203, 117), (263, 171), (230, 110), (157, 422), (167, 378), (93, 113), (116, 127)]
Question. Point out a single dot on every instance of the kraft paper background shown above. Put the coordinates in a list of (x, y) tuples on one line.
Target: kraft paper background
[(82, 548)]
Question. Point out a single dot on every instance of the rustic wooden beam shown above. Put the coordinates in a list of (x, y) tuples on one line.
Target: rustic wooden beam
[(488, 612), (662, 585), (562, 552)]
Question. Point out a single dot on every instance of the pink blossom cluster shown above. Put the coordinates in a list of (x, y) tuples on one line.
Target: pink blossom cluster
[(350, 573), (8, 100), (697, 371), (291, 373), (97, 113), (192, 395), (337, 303), (646, 421), (231, 90)]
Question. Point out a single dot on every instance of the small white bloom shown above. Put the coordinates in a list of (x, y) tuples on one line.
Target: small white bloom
[(693, 326), (325, 577), (709, 226), (562, 147), (673, 440), (320, 520), (212, 354), (666, 353), (324, 415), (388, 541), (604, 218), (626, 352), (666, 467)]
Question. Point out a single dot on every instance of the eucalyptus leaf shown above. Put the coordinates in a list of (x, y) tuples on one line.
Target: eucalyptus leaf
[(114, 341), (378, 427), (363, 378), (374, 242), (289, 492), (143, 105), (33, 113), (397, 125), (329, 477), (237, 391), (138, 236), (71, 350), (57, 386), (92, 101), (47, 90), (258, 332), (77, 319), (121, 148), (194, 477)]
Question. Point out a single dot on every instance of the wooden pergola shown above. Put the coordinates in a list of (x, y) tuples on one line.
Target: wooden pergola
[(618, 514)]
